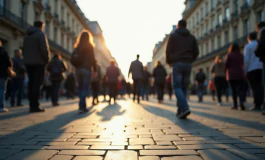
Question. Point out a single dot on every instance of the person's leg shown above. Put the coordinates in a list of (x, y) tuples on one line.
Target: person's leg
[(2, 93), (30, 71), (162, 87), (53, 92), (13, 90), (115, 91), (219, 89), (233, 85), (256, 84), (93, 87), (58, 87), (147, 92), (241, 93), (20, 86), (134, 89), (139, 86), (84, 83)]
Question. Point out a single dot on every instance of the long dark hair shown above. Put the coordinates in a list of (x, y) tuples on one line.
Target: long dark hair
[(234, 48), (84, 41)]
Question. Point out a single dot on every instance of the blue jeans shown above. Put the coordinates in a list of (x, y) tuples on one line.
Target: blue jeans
[(17, 90), (84, 79), (160, 91), (56, 85), (181, 80), (200, 91), (145, 91), (2, 91)]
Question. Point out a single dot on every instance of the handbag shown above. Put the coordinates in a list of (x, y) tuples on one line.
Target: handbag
[(10, 72)]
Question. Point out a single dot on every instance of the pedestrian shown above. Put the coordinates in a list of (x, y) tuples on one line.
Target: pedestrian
[(160, 75), (104, 87), (112, 76), (253, 71), (18, 81), (95, 85), (123, 90), (136, 68), (235, 74), (129, 89), (212, 89), (56, 67), (169, 85), (70, 84), (200, 81), (36, 56), (47, 86), (5, 63), (182, 50), (83, 59), (146, 84), (218, 73), (260, 51)]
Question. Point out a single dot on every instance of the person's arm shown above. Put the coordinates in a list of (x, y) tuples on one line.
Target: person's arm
[(169, 49), (195, 49), (44, 47), (65, 66), (247, 53), (227, 61)]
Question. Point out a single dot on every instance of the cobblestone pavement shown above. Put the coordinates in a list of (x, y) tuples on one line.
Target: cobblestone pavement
[(128, 131)]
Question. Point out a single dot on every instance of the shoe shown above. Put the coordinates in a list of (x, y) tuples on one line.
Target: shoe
[(234, 108), (37, 110), (178, 114), (83, 110), (3, 110), (254, 109), (184, 114), (242, 107)]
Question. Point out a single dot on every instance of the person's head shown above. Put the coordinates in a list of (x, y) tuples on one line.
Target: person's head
[(234, 48), (158, 63), (182, 24), (200, 70), (252, 36), (145, 68), (137, 56), (218, 59), (84, 40), (260, 25), (18, 52), (57, 55), (112, 63), (39, 24), (1, 43)]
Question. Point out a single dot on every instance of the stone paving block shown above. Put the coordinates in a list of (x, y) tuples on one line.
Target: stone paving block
[(145, 136), (93, 143), (244, 155), (82, 152), (197, 138), (88, 158), (182, 158), (28, 147), (101, 147), (149, 158), (3, 146), (254, 151), (166, 143), (85, 136), (141, 141), (33, 154), (212, 154), (188, 142), (204, 146), (167, 138), (225, 142), (261, 155), (62, 157), (119, 143), (56, 143), (250, 146), (167, 152), (4, 153), (256, 139), (138, 147), (128, 155), (67, 147), (154, 147)]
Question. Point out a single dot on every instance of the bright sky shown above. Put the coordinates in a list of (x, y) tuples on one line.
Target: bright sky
[(133, 27)]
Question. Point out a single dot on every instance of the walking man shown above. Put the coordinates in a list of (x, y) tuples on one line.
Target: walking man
[(18, 81), (112, 76), (95, 85), (136, 69), (182, 50), (36, 57), (200, 80)]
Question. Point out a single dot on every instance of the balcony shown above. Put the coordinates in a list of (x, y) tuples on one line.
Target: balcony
[(218, 28), (245, 10), (234, 17), (38, 6), (258, 4), (56, 19), (225, 2), (48, 13), (225, 23), (62, 25)]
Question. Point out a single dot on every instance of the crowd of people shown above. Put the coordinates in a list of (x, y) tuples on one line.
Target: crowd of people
[(33, 69)]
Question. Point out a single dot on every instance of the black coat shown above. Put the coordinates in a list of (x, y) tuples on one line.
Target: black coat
[(57, 68), (260, 51), (19, 67), (5, 62), (70, 82), (160, 75)]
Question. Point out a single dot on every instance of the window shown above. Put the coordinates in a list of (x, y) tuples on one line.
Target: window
[(206, 8), (260, 16), (62, 40), (212, 3), (220, 19), (246, 27), (213, 24), (62, 12), (47, 2), (207, 49), (55, 6), (23, 11), (55, 34), (202, 14), (202, 31), (213, 44), (247, 2), (47, 28), (3, 3), (198, 17), (227, 14), (235, 33), (67, 19), (219, 41), (67, 44), (235, 6), (202, 49), (226, 37)]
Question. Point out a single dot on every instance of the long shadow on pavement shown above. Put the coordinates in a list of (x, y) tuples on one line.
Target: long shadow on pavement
[(110, 111)]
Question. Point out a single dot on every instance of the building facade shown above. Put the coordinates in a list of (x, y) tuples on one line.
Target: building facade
[(218, 23)]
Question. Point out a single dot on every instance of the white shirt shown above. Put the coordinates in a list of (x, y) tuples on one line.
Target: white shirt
[(251, 61)]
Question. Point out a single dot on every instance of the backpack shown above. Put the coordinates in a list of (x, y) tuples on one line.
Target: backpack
[(200, 77), (56, 69), (76, 59)]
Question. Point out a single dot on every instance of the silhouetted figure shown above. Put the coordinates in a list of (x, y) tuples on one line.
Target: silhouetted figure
[(136, 68), (83, 59), (218, 73), (47, 86), (95, 85), (104, 87), (36, 56), (253, 70), (235, 74), (129, 89), (182, 50), (160, 75), (112, 76), (200, 81), (56, 67), (70, 84), (169, 85), (146, 84), (5, 63), (18, 81), (123, 89)]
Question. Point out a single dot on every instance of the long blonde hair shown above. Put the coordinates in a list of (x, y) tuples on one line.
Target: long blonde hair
[(84, 40)]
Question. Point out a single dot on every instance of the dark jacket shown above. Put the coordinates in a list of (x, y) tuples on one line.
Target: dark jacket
[(112, 74), (57, 68), (5, 62), (136, 68), (160, 74), (260, 51), (181, 47), (146, 77), (70, 82), (200, 77), (234, 66), (19, 67), (98, 77), (35, 47), (86, 58)]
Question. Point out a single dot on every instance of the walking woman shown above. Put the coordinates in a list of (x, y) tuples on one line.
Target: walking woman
[(235, 74), (218, 73), (160, 75), (84, 61)]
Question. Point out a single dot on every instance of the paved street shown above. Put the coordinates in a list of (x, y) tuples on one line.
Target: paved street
[(128, 131)]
